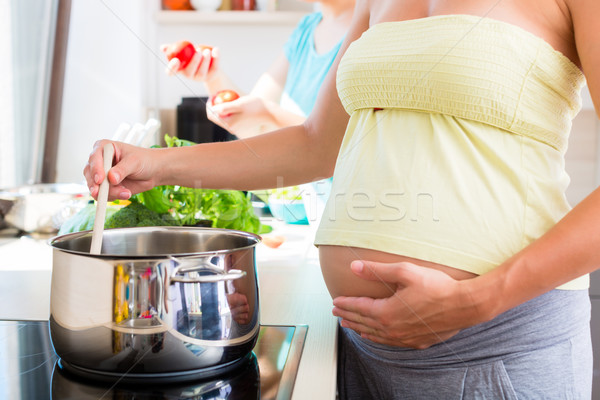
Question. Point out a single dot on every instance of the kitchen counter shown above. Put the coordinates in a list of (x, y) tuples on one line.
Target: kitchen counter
[(292, 292)]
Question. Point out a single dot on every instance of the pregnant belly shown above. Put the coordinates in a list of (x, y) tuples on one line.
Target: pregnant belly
[(341, 281)]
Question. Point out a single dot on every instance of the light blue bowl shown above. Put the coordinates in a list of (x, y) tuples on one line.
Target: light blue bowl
[(289, 212)]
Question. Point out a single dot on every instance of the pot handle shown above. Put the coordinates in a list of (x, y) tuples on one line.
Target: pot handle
[(219, 276)]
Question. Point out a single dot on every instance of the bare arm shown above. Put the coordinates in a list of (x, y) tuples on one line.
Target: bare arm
[(259, 111), (587, 38), (270, 85), (570, 248)]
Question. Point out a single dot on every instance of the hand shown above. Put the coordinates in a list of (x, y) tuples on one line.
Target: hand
[(132, 171), (240, 310), (427, 307), (246, 116), (203, 66)]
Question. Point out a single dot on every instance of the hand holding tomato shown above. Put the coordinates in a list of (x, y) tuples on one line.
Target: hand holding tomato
[(182, 50), (245, 116), (215, 104), (194, 62)]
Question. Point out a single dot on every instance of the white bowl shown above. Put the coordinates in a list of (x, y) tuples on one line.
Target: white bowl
[(206, 5)]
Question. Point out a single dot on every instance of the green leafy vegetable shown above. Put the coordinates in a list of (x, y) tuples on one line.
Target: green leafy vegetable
[(229, 209), (136, 214)]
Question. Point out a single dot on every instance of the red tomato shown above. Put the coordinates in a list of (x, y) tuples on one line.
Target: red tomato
[(183, 50), (224, 96)]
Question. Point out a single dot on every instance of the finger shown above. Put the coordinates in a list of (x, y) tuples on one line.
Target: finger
[(363, 310), (221, 116), (94, 170), (214, 62), (173, 66), (225, 110), (89, 178), (354, 304), (238, 301), (205, 63), (403, 273), (119, 192), (191, 70), (96, 163), (360, 328)]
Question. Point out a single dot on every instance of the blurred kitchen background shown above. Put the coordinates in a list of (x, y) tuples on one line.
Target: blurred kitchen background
[(113, 72)]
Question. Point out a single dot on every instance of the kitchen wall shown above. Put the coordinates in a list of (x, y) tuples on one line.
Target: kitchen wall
[(115, 73), (103, 84)]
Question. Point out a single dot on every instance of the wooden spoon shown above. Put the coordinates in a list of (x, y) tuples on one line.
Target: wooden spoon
[(96, 247)]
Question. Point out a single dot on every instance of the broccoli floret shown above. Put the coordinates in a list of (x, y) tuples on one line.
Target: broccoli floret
[(136, 214)]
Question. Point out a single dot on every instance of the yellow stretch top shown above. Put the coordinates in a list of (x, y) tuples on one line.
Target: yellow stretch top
[(464, 164)]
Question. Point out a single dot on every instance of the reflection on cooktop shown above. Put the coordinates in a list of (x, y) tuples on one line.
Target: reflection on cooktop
[(30, 370)]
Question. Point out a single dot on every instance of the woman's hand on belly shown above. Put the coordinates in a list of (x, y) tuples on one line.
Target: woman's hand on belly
[(428, 306), (341, 281)]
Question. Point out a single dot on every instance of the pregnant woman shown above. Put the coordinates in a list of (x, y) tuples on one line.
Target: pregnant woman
[(456, 265)]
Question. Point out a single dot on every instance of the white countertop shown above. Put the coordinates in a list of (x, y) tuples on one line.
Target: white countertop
[(292, 292)]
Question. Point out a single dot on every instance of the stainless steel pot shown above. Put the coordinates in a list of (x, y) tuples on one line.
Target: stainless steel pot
[(158, 301)]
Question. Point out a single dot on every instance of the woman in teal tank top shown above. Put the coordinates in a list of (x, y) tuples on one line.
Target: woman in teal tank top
[(285, 94)]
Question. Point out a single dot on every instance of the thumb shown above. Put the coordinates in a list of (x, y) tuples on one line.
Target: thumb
[(226, 109), (402, 273)]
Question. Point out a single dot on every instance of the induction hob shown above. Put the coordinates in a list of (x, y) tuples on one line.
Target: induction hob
[(30, 370)]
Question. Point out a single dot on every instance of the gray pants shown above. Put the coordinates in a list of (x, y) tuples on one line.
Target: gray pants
[(539, 350)]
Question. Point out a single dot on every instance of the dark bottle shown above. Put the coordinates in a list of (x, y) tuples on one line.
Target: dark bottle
[(194, 125)]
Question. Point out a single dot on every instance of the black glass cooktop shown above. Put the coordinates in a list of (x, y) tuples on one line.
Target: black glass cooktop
[(30, 370)]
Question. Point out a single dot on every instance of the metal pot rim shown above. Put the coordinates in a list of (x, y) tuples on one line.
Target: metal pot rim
[(63, 238)]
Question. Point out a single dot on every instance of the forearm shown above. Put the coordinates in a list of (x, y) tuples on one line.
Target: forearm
[(220, 81), (267, 119), (565, 252), (283, 117), (282, 158)]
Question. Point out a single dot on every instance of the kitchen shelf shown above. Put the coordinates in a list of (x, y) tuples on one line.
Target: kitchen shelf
[(229, 17)]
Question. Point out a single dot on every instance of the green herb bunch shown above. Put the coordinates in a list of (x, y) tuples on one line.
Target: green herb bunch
[(229, 209)]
